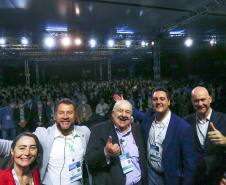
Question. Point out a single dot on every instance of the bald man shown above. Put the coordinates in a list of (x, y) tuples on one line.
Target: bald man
[(209, 128)]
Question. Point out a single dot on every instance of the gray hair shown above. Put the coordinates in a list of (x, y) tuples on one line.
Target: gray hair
[(120, 101)]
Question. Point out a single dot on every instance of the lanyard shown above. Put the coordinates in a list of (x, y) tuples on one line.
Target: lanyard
[(123, 143), (70, 142)]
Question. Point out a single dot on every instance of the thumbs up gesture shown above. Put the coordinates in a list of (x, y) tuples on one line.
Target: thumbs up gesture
[(216, 137), (112, 150)]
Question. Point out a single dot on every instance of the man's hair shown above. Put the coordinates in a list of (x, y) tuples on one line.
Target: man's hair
[(160, 89), (65, 101), (118, 102)]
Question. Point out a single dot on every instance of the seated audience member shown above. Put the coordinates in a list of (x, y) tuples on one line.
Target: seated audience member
[(102, 110), (50, 112), (84, 112), (21, 167), (7, 124), (21, 117)]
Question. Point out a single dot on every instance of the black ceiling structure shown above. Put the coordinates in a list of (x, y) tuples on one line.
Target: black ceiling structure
[(148, 20)]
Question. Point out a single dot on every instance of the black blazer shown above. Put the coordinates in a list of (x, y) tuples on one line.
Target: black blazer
[(16, 115), (111, 174), (212, 157)]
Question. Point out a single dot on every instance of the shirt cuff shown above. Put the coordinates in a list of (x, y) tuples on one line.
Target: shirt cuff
[(107, 158)]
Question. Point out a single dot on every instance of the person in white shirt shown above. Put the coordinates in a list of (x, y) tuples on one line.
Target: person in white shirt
[(64, 145), (101, 110)]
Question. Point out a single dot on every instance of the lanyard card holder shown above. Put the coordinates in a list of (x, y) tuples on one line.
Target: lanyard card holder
[(126, 163)]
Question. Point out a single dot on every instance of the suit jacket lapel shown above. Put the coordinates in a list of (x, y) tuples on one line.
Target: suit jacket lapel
[(169, 133)]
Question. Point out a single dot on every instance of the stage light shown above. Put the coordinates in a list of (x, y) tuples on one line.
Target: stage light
[(49, 42), (24, 41), (188, 42), (143, 43), (92, 43), (128, 43), (152, 43), (78, 41), (2, 41), (111, 43), (213, 42), (66, 41)]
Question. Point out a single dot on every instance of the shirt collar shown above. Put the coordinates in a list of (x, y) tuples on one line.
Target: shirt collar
[(58, 134), (206, 119), (119, 131), (165, 121)]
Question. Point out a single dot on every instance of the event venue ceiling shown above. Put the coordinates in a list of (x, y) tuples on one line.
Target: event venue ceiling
[(198, 18)]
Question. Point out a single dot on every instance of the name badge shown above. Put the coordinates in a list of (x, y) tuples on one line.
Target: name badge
[(154, 154), (126, 163), (7, 117), (75, 171)]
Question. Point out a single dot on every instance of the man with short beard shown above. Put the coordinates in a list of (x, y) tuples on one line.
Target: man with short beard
[(115, 153), (64, 145), (209, 130)]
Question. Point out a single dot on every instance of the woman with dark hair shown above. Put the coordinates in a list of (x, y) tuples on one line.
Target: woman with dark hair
[(21, 167)]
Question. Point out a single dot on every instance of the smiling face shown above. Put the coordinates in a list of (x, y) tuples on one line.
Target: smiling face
[(65, 118), (160, 102), (201, 100), (25, 152), (122, 115)]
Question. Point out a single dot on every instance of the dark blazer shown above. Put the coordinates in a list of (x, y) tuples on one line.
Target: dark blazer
[(35, 117), (6, 177), (178, 156), (212, 158), (111, 174), (49, 114), (17, 115)]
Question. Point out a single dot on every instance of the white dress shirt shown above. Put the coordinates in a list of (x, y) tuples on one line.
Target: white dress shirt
[(61, 157), (99, 109), (157, 135), (202, 128)]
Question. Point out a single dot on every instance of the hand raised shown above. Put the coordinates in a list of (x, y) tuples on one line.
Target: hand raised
[(112, 150), (118, 98), (215, 136)]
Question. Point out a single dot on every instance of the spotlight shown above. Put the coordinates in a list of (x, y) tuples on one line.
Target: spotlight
[(92, 43), (2, 41), (78, 41), (24, 41), (111, 43), (66, 41), (188, 42), (213, 42), (143, 43), (152, 43), (49, 42), (128, 43)]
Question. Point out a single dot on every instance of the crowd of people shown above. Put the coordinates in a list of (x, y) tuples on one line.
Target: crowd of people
[(25, 108), (163, 149)]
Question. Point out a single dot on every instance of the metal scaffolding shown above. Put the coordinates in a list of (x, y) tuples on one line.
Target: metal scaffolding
[(109, 69), (27, 74), (191, 15), (156, 68), (100, 70), (37, 72)]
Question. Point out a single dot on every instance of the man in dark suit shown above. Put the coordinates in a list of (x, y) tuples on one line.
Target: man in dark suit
[(50, 112), (116, 153), (209, 130), (21, 116), (170, 143)]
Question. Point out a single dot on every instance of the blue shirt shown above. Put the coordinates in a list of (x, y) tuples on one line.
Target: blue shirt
[(131, 148), (6, 118)]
